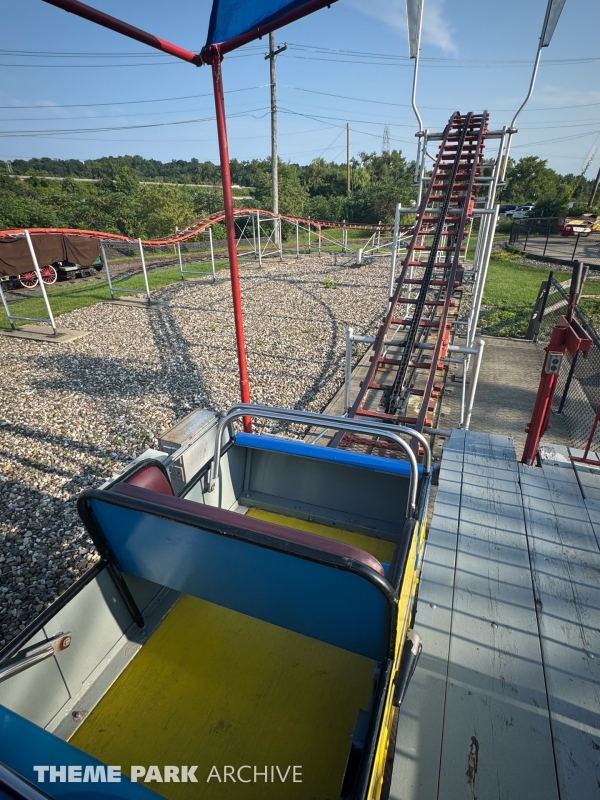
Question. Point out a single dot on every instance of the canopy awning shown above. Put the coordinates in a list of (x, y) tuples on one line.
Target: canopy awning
[(15, 257), (236, 22)]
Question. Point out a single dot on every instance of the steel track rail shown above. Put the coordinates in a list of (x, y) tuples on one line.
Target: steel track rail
[(452, 187)]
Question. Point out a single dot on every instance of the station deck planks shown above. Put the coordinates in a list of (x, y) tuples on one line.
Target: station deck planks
[(505, 702)]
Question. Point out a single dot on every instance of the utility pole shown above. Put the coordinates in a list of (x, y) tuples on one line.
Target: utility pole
[(594, 190), (271, 56), (348, 175)]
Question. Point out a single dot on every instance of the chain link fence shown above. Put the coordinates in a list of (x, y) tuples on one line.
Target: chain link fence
[(577, 393), (547, 238)]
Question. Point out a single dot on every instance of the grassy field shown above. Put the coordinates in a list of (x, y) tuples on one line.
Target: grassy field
[(510, 293), (80, 294)]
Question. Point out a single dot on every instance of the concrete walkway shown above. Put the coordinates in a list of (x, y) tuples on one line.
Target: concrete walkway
[(508, 382)]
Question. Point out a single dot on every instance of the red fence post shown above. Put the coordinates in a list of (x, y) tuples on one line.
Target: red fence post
[(569, 336)]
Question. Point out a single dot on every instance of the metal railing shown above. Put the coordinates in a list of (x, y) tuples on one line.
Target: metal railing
[(577, 395), (377, 429), (543, 237)]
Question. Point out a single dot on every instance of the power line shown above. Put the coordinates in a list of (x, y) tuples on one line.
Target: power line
[(123, 127), (438, 59), (137, 102)]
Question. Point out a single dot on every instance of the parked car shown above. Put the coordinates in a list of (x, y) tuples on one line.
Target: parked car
[(506, 209), (522, 211)]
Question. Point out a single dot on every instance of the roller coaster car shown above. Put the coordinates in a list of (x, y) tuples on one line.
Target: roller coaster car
[(252, 627)]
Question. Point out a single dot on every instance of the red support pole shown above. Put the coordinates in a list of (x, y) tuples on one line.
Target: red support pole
[(230, 226)]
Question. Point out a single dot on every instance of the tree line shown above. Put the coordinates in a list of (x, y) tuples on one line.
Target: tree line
[(118, 202)]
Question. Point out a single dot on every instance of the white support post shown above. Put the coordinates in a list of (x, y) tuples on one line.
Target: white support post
[(469, 239), (394, 255), (280, 237), (6, 308), (348, 378), (463, 390), (253, 235), (258, 238), (319, 235), (474, 380), (144, 270), (309, 236), (212, 253), (36, 267), (485, 260), (107, 270), (178, 246), (297, 239)]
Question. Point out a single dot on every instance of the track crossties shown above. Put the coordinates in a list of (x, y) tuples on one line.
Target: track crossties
[(407, 368)]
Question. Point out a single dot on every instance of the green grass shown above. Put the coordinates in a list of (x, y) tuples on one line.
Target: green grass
[(81, 294), (510, 292)]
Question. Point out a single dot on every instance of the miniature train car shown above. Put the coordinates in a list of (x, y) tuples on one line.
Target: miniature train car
[(244, 636)]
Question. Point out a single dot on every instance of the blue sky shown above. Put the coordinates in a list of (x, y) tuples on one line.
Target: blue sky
[(346, 63)]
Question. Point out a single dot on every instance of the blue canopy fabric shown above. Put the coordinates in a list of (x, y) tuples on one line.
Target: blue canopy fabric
[(233, 18)]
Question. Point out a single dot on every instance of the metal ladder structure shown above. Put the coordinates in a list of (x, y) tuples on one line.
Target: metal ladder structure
[(409, 354)]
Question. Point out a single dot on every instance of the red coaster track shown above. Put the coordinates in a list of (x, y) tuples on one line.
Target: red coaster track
[(405, 376)]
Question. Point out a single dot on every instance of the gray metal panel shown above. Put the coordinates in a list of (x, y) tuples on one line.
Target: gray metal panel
[(496, 740), (230, 483), (96, 619), (566, 564), (37, 693), (336, 489), (64, 724), (419, 741)]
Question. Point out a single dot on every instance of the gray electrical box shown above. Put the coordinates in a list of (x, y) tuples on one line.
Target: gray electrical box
[(197, 432)]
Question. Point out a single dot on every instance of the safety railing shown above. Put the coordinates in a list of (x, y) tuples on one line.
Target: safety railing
[(391, 432), (557, 239), (577, 395)]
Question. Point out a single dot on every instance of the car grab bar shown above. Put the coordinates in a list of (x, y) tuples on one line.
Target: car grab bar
[(311, 416), (323, 420)]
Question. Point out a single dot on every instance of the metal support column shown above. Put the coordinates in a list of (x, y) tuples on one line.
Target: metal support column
[(258, 238), (144, 270), (348, 380), (394, 255), (107, 270), (212, 253), (36, 267), (474, 380), (178, 246)]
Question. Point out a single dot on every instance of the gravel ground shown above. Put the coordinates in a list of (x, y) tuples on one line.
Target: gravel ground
[(73, 414)]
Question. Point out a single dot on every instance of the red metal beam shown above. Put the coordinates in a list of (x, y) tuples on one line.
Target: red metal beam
[(114, 24), (75, 7), (231, 243)]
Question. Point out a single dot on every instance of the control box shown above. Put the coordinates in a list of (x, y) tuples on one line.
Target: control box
[(553, 362)]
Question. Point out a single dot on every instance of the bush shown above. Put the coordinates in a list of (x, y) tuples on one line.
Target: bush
[(504, 225)]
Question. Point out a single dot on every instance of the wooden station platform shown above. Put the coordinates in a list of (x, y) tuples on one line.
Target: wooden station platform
[(505, 701)]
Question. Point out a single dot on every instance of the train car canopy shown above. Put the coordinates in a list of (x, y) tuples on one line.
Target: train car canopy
[(15, 257), (236, 22)]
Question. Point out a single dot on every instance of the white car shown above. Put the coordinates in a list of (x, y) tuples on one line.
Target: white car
[(522, 211)]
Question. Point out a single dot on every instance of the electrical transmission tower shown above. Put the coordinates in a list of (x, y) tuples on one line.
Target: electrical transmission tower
[(385, 145), (9, 168)]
